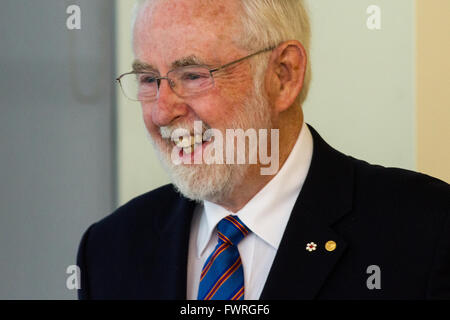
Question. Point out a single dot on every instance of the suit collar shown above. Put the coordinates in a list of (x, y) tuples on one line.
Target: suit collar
[(325, 198), (329, 184)]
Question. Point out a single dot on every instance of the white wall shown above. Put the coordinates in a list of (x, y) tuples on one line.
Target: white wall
[(361, 100), (362, 97)]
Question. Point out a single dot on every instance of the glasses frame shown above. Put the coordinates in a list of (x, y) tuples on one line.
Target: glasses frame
[(211, 71)]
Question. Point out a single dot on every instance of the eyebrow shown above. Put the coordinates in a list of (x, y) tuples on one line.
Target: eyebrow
[(188, 61), (139, 66), (192, 60)]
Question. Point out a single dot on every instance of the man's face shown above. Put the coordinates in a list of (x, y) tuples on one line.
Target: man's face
[(170, 33)]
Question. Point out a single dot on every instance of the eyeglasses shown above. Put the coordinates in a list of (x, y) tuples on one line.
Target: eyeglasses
[(185, 81)]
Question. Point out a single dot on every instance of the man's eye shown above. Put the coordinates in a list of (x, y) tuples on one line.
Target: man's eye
[(147, 80), (192, 76)]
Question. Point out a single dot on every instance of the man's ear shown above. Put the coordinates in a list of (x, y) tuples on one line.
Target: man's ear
[(285, 74)]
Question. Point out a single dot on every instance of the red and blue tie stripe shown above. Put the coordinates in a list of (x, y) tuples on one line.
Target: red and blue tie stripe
[(222, 276)]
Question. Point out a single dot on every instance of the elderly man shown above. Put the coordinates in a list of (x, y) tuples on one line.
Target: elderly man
[(322, 226)]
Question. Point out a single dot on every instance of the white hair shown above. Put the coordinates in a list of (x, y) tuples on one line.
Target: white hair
[(137, 6), (269, 22)]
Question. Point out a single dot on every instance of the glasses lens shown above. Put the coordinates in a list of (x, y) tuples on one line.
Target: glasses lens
[(139, 87), (190, 81)]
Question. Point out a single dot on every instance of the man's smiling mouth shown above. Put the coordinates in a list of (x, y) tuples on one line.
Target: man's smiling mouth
[(188, 143)]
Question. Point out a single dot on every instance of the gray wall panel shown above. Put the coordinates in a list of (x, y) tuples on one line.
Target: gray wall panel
[(57, 138)]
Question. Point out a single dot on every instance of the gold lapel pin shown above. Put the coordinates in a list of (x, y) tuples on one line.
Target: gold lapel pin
[(330, 245)]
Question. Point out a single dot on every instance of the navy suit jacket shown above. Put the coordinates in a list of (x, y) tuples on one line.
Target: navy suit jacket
[(395, 219)]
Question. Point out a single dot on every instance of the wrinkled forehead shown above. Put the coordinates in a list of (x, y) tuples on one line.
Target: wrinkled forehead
[(179, 25), (166, 11)]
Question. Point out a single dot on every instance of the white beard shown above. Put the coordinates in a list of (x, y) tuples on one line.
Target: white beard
[(215, 182)]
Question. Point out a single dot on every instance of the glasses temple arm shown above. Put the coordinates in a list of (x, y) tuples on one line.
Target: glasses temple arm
[(242, 59)]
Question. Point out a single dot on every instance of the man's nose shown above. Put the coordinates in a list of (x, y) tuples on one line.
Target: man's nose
[(168, 105)]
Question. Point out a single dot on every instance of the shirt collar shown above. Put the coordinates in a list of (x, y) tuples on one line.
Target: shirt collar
[(267, 213)]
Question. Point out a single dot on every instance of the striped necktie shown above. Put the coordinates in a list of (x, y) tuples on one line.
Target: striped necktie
[(222, 276)]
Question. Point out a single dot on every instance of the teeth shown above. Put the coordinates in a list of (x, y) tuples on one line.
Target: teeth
[(183, 142), (188, 142), (208, 136), (188, 150)]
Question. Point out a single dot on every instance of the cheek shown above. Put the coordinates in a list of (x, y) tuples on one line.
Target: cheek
[(232, 103), (227, 98), (233, 90), (148, 121), (216, 110)]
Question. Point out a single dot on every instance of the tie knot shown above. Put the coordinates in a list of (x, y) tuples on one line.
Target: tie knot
[(231, 230)]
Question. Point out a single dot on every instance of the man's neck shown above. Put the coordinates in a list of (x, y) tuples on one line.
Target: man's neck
[(289, 125)]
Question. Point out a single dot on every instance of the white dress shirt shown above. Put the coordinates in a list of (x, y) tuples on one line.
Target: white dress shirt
[(266, 215)]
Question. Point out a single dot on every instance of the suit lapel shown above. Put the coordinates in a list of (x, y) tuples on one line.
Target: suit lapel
[(326, 197), (170, 259)]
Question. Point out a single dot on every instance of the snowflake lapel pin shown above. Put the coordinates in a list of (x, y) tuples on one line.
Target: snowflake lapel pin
[(311, 246)]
